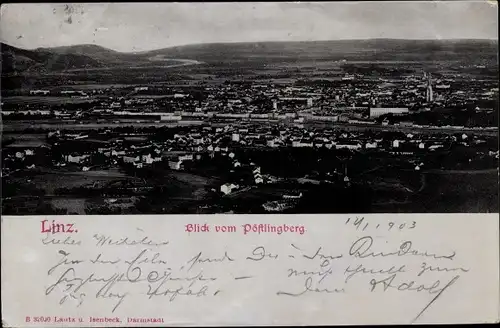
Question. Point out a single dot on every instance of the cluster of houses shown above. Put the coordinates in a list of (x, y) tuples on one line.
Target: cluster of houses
[(190, 143), (353, 99), (278, 205), (303, 138), (257, 176), (211, 139), (228, 188)]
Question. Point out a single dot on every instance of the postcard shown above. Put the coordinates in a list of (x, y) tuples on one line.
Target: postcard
[(261, 163)]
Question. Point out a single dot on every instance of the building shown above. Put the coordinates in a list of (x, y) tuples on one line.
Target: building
[(186, 157), (348, 145), (293, 195), (287, 101), (429, 96), (302, 143), (377, 111), (130, 159), (147, 159), (275, 104), (77, 158), (434, 147), (227, 188), (38, 92), (170, 117), (175, 165), (118, 153), (236, 137), (277, 206)]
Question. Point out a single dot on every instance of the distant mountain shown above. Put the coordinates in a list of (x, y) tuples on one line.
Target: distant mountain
[(16, 60), (93, 56), (81, 49), (380, 49), (103, 55), (42, 60)]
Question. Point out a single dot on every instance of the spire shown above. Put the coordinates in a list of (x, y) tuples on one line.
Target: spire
[(346, 178), (428, 92)]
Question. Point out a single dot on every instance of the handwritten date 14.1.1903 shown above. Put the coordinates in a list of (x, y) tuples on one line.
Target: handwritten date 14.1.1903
[(360, 223)]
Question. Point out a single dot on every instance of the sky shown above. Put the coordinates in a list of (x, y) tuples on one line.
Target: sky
[(147, 26)]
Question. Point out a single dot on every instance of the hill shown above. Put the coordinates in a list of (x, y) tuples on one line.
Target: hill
[(81, 49), (15, 60), (86, 56), (373, 49), (104, 55), (43, 60)]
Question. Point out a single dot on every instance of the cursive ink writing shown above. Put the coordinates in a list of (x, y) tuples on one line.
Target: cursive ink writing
[(99, 260), (190, 290), (361, 248), (259, 253), (103, 240), (434, 288), (318, 254), (308, 288), (63, 261), (113, 271), (429, 268), (69, 241), (68, 280), (199, 259), (351, 272)]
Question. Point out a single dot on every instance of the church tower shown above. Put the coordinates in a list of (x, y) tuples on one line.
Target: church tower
[(429, 96)]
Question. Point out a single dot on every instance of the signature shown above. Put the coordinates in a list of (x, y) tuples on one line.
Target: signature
[(436, 287)]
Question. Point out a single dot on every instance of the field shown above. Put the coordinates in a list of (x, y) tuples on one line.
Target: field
[(72, 205), (43, 100), (43, 184), (50, 180), (177, 192), (87, 86), (451, 192), (25, 140)]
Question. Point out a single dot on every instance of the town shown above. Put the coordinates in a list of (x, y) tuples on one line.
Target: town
[(246, 146)]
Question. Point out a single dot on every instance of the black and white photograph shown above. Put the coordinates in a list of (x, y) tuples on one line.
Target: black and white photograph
[(249, 108)]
